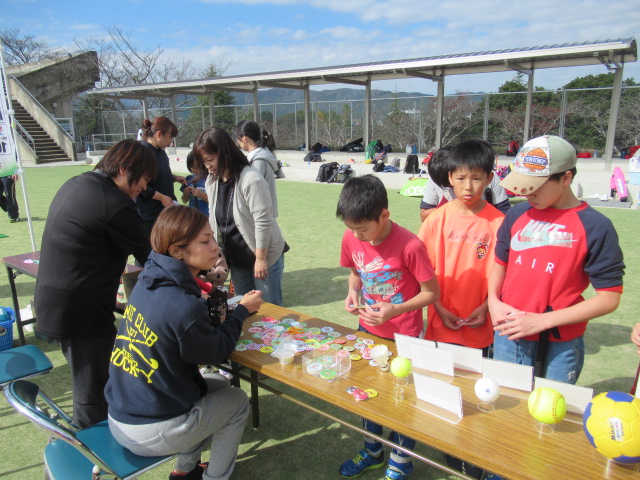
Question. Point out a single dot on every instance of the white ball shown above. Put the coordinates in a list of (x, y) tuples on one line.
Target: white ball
[(487, 390)]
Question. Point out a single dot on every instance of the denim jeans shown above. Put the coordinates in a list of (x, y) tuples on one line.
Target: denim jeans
[(271, 286), (563, 362)]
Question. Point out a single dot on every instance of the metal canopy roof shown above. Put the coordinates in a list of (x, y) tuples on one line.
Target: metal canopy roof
[(611, 53)]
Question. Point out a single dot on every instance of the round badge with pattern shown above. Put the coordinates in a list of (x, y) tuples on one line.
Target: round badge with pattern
[(314, 368)]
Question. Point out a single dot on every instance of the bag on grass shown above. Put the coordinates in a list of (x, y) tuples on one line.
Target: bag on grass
[(342, 174), (414, 187), (326, 171)]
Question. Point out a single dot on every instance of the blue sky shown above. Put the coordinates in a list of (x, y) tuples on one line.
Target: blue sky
[(269, 35)]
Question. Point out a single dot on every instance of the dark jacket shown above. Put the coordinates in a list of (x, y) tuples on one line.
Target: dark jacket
[(165, 335), (163, 183), (92, 227)]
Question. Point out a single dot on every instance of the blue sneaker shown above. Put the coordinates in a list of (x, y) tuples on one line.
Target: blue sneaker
[(398, 471), (360, 463)]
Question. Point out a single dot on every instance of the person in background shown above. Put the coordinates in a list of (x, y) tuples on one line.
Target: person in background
[(438, 191), (92, 227), (241, 215), (193, 192), (159, 194), (249, 138), (8, 200), (159, 403)]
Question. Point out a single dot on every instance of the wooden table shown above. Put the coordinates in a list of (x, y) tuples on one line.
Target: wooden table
[(504, 441), (16, 265)]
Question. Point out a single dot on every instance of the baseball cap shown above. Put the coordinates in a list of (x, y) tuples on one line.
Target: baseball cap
[(536, 161)]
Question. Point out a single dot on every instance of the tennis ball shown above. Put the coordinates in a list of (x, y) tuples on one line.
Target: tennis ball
[(547, 405), (401, 367)]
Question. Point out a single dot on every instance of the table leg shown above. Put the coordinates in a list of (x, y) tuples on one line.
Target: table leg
[(255, 400), (16, 305)]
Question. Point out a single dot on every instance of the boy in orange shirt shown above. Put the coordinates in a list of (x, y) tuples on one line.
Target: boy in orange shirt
[(460, 238)]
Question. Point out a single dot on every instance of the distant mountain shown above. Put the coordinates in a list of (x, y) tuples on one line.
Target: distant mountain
[(286, 95)]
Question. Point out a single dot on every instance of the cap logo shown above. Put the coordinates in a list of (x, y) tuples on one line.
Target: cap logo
[(535, 159)]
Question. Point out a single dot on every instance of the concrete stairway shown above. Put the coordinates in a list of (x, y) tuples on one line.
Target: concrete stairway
[(46, 149)]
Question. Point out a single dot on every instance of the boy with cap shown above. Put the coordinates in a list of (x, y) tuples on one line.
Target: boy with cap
[(549, 249)]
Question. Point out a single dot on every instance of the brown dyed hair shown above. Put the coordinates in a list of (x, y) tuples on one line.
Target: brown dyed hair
[(176, 225), (131, 156), (215, 140), (159, 124)]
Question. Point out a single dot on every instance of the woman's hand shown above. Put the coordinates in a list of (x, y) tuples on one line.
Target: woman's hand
[(261, 269), (252, 300)]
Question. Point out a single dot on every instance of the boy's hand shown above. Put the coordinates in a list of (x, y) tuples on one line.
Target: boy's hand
[(252, 300), (635, 336), (477, 317), (351, 302), (521, 324), (449, 320), (501, 312), (378, 313)]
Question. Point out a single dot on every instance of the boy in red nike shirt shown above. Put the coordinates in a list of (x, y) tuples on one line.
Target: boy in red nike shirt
[(549, 250)]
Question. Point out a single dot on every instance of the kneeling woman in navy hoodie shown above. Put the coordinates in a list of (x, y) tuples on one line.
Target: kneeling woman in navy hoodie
[(159, 403)]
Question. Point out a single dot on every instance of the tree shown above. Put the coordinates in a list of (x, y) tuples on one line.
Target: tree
[(199, 119), (19, 48), (121, 62), (588, 107)]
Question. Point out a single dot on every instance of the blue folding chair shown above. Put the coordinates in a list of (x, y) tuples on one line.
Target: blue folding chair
[(22, 362), (74, 453)]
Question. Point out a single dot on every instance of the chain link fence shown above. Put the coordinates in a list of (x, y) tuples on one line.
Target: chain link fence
[(579, 115)]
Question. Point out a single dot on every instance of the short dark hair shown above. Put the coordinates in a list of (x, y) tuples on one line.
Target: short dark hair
[(215, 140), (557, 176), (472, 154), (130, 156), (362, 199), (438, 167), (176, 225)]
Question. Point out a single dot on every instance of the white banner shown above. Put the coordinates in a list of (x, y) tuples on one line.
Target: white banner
[(8, 162)]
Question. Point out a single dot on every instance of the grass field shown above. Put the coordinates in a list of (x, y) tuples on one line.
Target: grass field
[(291, 442)]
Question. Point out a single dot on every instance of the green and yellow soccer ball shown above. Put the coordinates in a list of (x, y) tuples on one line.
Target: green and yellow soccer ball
[(611, 422)]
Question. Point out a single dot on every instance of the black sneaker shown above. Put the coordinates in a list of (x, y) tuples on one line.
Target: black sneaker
[(14, 220), (195, 474)]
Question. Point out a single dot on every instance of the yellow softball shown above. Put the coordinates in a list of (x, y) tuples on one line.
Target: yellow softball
[(547, 405)]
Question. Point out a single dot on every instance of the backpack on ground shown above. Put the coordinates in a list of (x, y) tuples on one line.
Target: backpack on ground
[(326, 171), (412, 165), (279, 173), (315, 148), (313, 157), (396, 163), (378, 166), (342, 174)]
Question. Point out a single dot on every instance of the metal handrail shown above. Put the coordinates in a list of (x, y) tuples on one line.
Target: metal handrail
[(26, 136), (44, 110)]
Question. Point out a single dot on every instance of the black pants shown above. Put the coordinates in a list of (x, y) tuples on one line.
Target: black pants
[(88, 359), (8, 201)]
